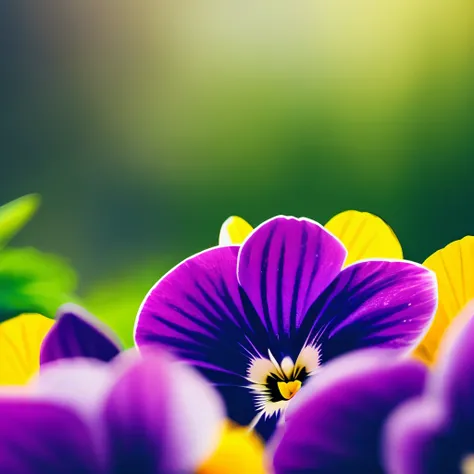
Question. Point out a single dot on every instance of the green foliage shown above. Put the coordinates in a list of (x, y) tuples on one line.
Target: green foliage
[(117, 301), (30, 281), (14, 216), (33, 282)]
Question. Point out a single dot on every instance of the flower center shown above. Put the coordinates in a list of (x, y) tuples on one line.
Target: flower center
[(467, 464), (284, 380), (288, 389), (274, 384)]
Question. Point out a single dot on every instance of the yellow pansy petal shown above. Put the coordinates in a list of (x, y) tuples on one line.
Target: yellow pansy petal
[(20, 344), (364, 236), (239, 451), (454, 268), (234, 231)]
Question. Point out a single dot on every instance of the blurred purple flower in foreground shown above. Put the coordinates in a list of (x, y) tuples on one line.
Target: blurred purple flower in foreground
[(77, 334), (434, 434), (135, 415), (336, 423), (260, 319)]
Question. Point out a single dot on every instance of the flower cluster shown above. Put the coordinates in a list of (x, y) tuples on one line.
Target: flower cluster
[(291, 348)]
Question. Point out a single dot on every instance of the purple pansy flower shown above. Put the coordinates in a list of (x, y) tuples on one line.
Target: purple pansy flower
[(434, 434), (76, 333), (260, 319), (336, 423), (134, 415)]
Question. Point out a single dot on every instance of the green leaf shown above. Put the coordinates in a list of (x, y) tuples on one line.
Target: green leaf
[(33, 282), (116, 301), (15, 214)]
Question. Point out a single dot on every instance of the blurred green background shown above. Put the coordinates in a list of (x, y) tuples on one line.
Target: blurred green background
[(145, 124)]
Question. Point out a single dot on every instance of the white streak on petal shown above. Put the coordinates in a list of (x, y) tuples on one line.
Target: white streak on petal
[(287, 366), (309, 358), (197, 417), (81, 384), (224, 236), (276, 364), (259, 370)]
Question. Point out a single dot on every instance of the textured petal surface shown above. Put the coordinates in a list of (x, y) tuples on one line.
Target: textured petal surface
[(337, 427), (365, 236), (374, 303), (78, 334), (234, 231), (197, 312), (284, 265), (418, 440), (454, 268), (20, 343), (41, 438), (162, 417)]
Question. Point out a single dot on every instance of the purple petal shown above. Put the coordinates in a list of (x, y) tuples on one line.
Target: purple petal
[(196, 310), (373, 303), (38, 438), (77, 334), (418, 440), (337, 426), (454, 380), (162, 417), (81, 384), (284, 265)]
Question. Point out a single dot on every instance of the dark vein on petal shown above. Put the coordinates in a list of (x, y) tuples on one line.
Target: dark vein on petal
[(199, 322), (298, 277), (280, 274), (264, 283)]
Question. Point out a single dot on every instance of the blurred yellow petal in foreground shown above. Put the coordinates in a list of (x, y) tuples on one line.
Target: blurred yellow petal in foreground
[(234, 231), (239, 451), (20, 344), (364, 236), (454, 268)]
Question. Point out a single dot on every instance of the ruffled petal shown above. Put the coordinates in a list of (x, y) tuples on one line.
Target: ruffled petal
[(234, 231), (365, 236), (374, 303), (284, 265), (162, 417), (20, 342), (337, 424), (76, 333), (40, 437), (454, 269)]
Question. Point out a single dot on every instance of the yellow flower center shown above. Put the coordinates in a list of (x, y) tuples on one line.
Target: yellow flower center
[(288, 389), (239, 451)]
